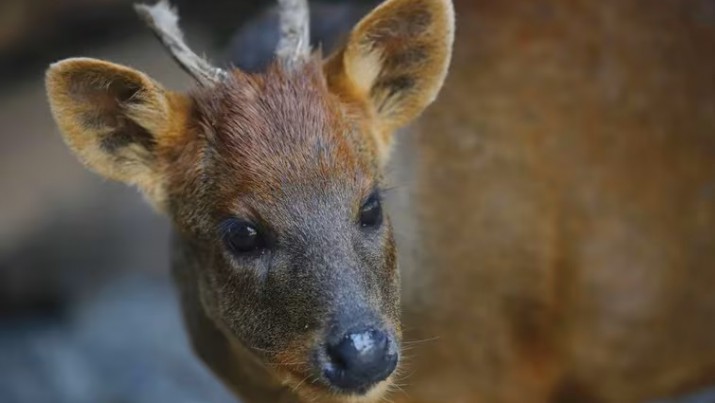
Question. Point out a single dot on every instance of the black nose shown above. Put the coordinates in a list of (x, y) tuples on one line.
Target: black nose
[(360, 359)]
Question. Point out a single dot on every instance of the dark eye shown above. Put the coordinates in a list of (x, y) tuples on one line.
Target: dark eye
[(371, 212), (242, 237)]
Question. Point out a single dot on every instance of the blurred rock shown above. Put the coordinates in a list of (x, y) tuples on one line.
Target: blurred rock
[(124, 343), (26, 21), (34, 33), (78, 247), (252, 46)]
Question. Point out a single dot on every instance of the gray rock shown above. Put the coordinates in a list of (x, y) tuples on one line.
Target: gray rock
[(125, 343)]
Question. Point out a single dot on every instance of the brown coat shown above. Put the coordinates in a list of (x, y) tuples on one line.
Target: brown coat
[(564, 206), (554, 211)]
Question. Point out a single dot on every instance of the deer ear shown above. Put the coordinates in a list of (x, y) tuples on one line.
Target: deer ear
[(396, 58), (114, 118)]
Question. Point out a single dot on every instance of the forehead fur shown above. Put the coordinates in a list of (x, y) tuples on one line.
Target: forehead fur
[(266, 133)]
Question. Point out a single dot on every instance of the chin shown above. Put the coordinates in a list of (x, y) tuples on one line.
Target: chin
[(374, 394), (320, 393)]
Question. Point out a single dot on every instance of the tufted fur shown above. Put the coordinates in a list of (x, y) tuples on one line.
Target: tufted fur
[(395, 62), (118, 121)]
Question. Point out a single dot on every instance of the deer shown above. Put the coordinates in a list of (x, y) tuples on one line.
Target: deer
[(553, 222)]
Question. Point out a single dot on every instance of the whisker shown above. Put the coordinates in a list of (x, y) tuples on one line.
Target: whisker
[(284, 364), (421, 341), (263, 349), (295, 388)]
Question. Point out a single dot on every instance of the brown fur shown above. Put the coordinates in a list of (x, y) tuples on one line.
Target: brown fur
[(395, 62), (117, 120), (565, 206), (556, 239), (278, 148)]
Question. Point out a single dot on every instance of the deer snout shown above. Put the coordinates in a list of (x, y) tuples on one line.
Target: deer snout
[(357, 360)]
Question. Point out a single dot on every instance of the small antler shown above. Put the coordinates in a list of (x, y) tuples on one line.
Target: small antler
[(294, 44), (164, 21)]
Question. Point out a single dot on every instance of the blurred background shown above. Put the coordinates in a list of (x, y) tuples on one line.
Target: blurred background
[(87, 309)]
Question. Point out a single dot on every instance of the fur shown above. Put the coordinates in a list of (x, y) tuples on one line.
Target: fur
[(558, 246), (296, 152)]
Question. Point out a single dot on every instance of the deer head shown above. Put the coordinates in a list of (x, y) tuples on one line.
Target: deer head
[(274, 181)]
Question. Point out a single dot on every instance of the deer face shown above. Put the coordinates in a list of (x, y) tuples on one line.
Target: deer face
[(297, 259), (274, 184)]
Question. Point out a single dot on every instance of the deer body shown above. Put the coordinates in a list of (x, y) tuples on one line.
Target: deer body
[(553, 217), (563, 206)]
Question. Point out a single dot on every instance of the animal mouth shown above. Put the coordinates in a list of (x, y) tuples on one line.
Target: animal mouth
[(357, 367)]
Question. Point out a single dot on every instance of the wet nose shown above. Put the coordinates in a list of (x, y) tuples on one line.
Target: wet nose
[(360, 359)]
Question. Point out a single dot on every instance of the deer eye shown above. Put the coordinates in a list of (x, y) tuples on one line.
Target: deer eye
[(242, 237), (371, 211)]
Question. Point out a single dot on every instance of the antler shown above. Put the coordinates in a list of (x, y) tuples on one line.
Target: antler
[(294, 44), (164, 21)]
